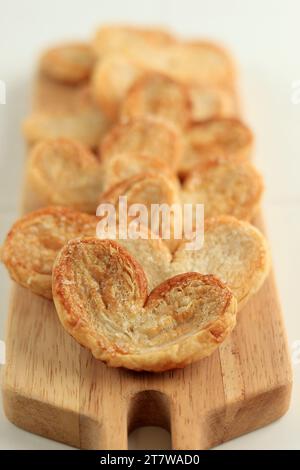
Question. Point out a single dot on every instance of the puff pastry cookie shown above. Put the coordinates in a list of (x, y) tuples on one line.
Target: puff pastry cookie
[(100, 294), (199, 63), (144, 188), (86, 125), (228, 138), (149, 190), (33, 242), (145, 136), (225, 188), (111, 79), (116, 169), (234, 251), (157, 95), (66, 173), (209, 102), (70, 63)]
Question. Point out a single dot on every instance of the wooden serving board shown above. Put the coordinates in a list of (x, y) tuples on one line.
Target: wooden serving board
[(55, 388)]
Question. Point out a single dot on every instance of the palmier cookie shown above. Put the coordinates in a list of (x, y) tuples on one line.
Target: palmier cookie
[(151, 191), (208, 102), (117, 167), (64, 172), (33, 242), (144, 136), (224, 188), (111, 79), (228, 138), (157, 95), (234, 251), (200, 63), (100, 294), (86, 125), (68, 63)]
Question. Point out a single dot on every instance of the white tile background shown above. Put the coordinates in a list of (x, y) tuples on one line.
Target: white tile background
[(264, 37)]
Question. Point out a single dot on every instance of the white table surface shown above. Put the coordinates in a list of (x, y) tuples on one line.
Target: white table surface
[(264, 36)]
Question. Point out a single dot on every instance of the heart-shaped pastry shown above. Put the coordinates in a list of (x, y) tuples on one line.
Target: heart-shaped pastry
[(228, 138), (68, 63), (116, 169), (234, 251), (148, 190), (148, 136), (212, 102), (33, 242), (199, 63), (100, 293), (224, 187), (157, 95), (112, 77), (64, 172), (86, 125)]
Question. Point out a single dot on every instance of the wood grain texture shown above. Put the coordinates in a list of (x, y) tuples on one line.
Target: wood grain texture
[(55, 388)]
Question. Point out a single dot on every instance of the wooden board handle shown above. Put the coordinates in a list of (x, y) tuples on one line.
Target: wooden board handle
[(148, 408)]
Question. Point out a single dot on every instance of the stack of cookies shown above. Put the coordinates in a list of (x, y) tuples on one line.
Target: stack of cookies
[(141, 114)]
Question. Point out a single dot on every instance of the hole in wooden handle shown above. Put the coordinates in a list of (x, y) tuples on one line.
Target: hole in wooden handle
[(149, 416)]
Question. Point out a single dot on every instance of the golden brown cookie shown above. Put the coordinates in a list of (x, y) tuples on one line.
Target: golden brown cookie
[(100, 293), (66, 173), (111, 79), (225, 188), (87, 125), (199, 63), (154, 192), (209, 102), (157, 95), (69, 63), (119, 167), (145, 136), (144, 188), (34, 240), (228, 138), (234, 251)]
